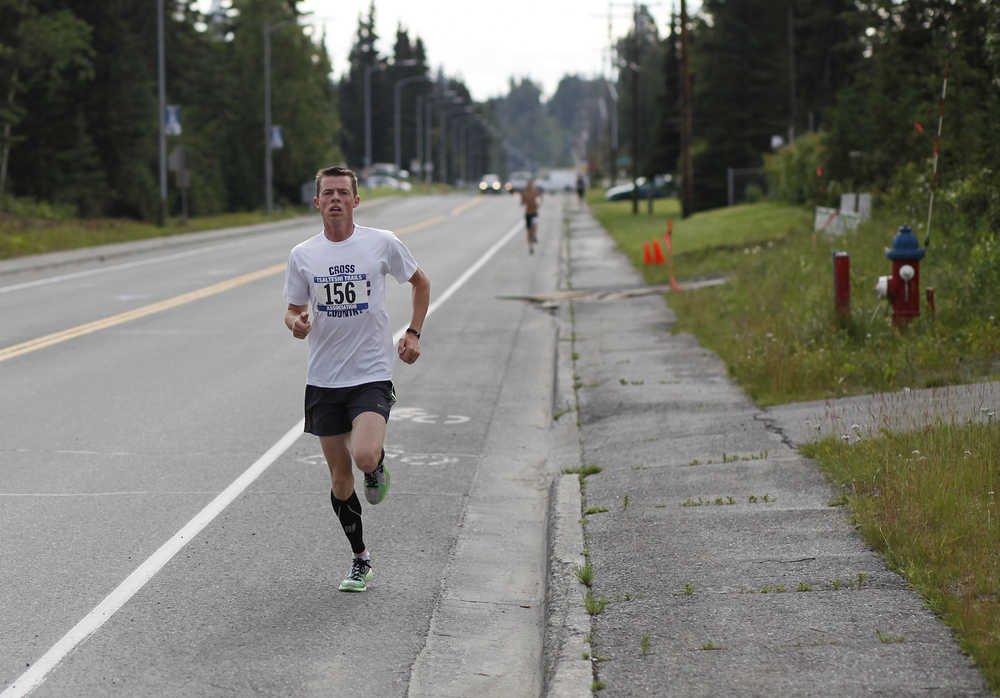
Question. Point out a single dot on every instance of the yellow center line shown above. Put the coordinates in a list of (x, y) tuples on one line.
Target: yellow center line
[(136, 313), (458, 210), (418, 226), (462, 208), (104, 323)]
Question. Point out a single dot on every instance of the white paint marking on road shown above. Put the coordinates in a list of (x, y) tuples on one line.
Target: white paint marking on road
[(113, 267), (475, 267), (33, 677), (122, 493)]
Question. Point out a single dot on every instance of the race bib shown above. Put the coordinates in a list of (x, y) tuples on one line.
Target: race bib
[(342, 295)]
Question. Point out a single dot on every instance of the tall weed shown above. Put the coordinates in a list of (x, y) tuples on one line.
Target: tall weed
[(929, 502)]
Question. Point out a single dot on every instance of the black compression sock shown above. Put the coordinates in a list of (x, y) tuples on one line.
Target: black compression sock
[(349, 513)]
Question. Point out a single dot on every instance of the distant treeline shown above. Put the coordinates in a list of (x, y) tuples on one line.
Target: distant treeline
[(866, 74), (863, 78)]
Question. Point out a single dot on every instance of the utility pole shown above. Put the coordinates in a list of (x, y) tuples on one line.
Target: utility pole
[(268, 167), (791, 74), (687, 176), (162, 90), (635, 108), (613, 135)]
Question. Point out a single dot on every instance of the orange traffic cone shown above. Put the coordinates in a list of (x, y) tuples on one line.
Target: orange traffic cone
[(658, 252), (646, 256)]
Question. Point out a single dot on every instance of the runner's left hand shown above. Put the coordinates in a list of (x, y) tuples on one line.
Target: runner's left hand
[(409, 348)]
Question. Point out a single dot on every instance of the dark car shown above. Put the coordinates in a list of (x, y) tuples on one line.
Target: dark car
[(662, 187)]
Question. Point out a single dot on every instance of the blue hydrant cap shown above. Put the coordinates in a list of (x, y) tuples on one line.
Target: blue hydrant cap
[(905, 245)]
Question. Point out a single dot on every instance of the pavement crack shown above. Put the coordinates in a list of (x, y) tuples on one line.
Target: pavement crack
[(771, 425)]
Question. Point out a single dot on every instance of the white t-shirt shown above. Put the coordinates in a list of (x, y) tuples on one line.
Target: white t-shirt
[(343, 284)]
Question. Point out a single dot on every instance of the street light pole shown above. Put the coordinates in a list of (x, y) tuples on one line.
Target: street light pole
[(613, 139), (428, 150), (368, 112), (268, 167), (420, 132), (268, 171), (454, 101), (397, 116), (161, 76)]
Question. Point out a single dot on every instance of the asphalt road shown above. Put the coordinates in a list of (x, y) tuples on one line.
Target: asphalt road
[(164, 528)]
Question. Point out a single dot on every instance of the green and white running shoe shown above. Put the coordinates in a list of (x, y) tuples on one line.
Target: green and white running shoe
[(377, 482), (357, 580)]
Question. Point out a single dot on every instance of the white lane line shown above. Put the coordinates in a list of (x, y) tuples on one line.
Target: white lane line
[(33, 677), (113, 267), (474, 268), (121, 493)]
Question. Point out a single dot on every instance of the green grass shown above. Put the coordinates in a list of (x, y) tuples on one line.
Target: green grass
[(27, 227), (930, 503), (926, 499), (773, 322), (25, 235), (706, 243)]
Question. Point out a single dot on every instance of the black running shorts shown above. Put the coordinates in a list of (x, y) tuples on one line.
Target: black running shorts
[(529, 218), (331, 411)]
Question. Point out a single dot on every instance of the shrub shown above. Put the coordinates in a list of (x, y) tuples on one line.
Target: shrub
[(26, 207), (792, 172)]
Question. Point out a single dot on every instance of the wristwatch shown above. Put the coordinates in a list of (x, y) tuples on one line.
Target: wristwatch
[(412, 331)]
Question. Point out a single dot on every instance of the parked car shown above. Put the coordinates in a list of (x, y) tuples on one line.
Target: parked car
[(378, 181), (558, 180), (490, 184), (663, 186), (518, 181)]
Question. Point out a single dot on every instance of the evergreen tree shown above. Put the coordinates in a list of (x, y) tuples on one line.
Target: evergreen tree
[(667, 140), (740, 91), (898, 84), (640, 95), (45, 50), (363, 56)]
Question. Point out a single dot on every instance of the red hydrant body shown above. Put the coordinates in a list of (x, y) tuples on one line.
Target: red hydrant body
[(903, 288), (842, 283)]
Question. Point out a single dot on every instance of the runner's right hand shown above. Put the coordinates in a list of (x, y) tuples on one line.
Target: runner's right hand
[(302, 326)]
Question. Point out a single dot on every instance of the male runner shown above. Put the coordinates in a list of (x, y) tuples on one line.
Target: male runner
[(531, 199), (335, 289)]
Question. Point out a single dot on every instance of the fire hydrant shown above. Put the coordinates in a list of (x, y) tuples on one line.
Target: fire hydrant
[(903, 287)]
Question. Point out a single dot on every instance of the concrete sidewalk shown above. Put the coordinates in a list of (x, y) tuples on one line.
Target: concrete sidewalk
[(725, 569)]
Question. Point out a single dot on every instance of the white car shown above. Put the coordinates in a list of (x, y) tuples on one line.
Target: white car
[(518, 181), (490, 184)]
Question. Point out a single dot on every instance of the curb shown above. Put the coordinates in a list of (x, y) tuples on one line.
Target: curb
[(101, 253), (569, 670), (572, 674)]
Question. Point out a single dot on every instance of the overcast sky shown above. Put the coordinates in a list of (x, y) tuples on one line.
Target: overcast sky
[(485, 43)]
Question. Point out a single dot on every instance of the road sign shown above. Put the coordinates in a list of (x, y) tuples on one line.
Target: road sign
[(172, 127), (307, 192), (175, 161), (276, 138)]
